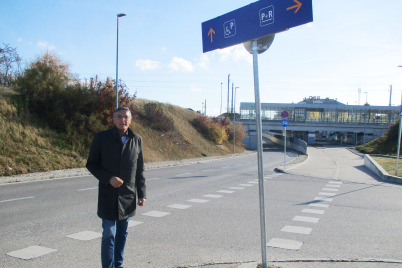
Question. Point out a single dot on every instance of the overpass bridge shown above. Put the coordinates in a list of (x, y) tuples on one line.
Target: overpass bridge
[(315, 120)]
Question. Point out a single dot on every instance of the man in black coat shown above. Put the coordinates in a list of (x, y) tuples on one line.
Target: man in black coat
[(116, 160)]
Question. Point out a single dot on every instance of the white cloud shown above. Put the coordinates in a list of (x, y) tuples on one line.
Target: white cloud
[(180, 64), (235, 53), (147, 64), (195, 89), (45, 45), (204, 61)]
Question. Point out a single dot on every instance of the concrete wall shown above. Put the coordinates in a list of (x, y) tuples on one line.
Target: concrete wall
[(379, 171), (291, 143)]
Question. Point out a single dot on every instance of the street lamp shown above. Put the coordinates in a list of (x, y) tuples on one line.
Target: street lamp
[(117, 60), (234, 121), (399, 136)]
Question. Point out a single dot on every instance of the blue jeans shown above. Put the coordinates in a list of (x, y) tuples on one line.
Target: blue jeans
[(114, 237)]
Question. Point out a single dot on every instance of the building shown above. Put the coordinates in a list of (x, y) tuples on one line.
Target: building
[(325, 120)]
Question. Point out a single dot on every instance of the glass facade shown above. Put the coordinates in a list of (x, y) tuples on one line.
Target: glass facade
[(324, 113)]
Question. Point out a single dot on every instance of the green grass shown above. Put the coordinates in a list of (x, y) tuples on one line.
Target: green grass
[(389, 164)]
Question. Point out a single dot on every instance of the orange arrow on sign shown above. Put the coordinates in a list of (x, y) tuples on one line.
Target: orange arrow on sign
[(297, 6), (211, 33)]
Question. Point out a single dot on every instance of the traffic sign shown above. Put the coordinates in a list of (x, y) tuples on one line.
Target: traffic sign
[(285, 114), (285, 122), (255, 20)]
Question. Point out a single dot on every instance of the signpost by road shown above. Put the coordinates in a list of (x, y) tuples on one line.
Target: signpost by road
[(284, 123), (255, 25)]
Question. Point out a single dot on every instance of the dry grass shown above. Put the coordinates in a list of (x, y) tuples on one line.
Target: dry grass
[(27, 145), (389, 164)]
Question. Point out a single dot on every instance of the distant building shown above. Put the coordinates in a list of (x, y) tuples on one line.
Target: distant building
[(328, 119)]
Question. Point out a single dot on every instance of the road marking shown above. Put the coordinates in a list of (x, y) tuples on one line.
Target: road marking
[(183, 175), (320, 198), (296, 229), (330, 189), (17, 199), (306, 219), (245, 185), (153, 179), (179, 206), (213, 195), (236, 188), (226, 167), (335, 182), (87, 189), (132, 223), (207, 170), (85, 235), (226, 191), (253, 182), (284, 243), (333, 185), (319, 205), (198, 200), (31, 252), (156, 214), (313, 211), (327, 194)]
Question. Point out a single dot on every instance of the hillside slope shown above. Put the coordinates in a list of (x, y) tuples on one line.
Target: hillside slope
[(28, 145)]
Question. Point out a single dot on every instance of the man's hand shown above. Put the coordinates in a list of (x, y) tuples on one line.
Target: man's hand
[(141, 202), (116, 182)]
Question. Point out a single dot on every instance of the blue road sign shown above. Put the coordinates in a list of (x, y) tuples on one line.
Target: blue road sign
[(258, 19), (285, 122)]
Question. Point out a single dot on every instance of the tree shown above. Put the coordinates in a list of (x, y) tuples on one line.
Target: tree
[(10, 65)]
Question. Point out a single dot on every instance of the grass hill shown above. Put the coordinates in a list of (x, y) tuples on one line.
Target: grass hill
[(28, 145)]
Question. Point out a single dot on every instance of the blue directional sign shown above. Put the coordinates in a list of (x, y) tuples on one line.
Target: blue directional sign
[(285, 122), (258, 19)]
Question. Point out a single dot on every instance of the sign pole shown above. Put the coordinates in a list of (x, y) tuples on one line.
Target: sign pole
[(284, 156), (259, 155), (399, 139)]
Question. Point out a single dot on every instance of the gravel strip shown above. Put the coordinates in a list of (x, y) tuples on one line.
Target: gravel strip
[(78, 172)]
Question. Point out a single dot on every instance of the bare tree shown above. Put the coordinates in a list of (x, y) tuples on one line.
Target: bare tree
[(10, 64)]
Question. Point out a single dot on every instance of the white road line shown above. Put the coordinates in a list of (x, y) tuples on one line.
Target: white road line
[(313, 211), (285, 244), (335, 182), (85, 235), (245, 184), (297, 229), (31, 252), (330, 189), (207, 170), (87, 189), (333, 185), (152, 179), (253, 182), (182, 175), (132, 223), (306, 219), (179, 206), (213, 195), (198, 200), (226, 191), (226, 167), (156, 214), (319, 205), (16, 199), (327, 194), (320, 198), (236, 188)]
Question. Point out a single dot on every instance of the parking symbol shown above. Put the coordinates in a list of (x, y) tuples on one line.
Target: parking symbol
[(229, 28), (266, 16)]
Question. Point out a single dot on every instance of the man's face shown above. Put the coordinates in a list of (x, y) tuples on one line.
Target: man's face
[(122, 120)]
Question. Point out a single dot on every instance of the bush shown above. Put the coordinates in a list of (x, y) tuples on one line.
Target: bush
[(210, 129), (157, 117), (240, 134)]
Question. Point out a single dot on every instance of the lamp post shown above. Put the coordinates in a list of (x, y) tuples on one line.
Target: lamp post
[(117, 60), (399, 136), (234, 121)]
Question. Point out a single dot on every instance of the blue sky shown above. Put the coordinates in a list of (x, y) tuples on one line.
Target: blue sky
[(350, 45)]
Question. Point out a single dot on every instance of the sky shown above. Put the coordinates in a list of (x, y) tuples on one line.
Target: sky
[(350, 45)]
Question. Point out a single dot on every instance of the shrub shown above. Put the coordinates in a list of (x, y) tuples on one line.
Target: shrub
[(210, 129), (157, 117)]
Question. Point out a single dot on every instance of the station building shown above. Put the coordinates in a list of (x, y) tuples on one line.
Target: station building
[(321, 120)]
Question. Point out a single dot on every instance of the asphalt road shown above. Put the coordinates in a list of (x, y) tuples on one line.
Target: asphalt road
[(207, 215)]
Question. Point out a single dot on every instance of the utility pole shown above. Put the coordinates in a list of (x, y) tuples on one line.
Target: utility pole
[(220, 113), (390, 94), (227, 107), (205, 109), (231, 110)]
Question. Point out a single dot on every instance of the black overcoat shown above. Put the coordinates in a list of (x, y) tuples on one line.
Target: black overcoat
[(108, 157)]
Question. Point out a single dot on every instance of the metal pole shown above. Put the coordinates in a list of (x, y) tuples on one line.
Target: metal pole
[(117, 64), (284, 156), (399, 139), (221, 101), (259, 155), (234, 121)]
